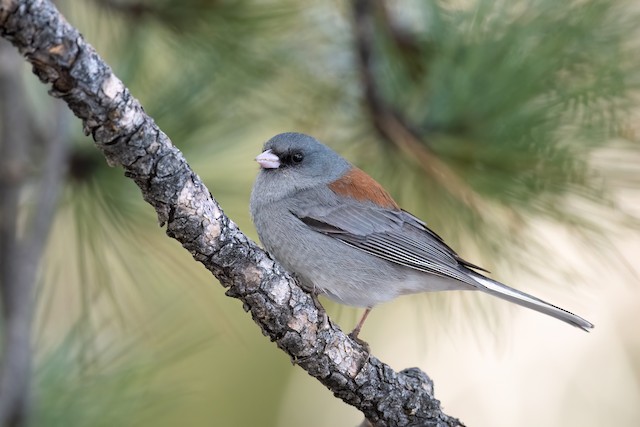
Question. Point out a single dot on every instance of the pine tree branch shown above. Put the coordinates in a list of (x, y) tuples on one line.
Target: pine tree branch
[(387, 121), (130, 139)]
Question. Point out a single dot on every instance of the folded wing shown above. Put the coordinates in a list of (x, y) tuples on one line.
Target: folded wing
[(393, 235)]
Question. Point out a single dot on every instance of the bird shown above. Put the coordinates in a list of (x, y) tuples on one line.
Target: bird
[(343, 235)]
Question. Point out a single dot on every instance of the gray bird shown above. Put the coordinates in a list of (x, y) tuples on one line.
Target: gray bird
[(344, 236)]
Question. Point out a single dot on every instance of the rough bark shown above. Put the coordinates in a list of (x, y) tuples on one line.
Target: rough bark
[(130, 139)]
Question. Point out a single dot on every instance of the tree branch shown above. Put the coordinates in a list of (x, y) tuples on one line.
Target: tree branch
[(130, 139), (21, 247), (15, 285), (388, 122)]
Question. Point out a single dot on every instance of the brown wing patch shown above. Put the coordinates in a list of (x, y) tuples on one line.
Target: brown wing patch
[(360, 186)]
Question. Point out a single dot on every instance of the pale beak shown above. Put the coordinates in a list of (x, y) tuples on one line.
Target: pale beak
[(268, 160)]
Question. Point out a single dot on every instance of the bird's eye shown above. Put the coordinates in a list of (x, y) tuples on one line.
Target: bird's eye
[(297, 157)]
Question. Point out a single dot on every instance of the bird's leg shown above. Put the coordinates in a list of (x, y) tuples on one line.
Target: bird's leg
[(356, 330), (354, 334), (321, 311)]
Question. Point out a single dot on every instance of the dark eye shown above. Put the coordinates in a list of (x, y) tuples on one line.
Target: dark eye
[(297, 157)]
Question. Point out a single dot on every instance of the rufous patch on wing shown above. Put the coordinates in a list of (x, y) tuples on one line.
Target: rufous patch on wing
[(360, 186)]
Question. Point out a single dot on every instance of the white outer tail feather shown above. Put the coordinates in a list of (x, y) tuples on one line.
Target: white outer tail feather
[(505, 292)]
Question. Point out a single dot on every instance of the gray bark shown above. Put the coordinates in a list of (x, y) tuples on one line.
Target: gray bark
[(130, 139)]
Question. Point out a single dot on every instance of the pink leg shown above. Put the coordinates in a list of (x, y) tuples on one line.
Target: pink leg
[(356, 330)]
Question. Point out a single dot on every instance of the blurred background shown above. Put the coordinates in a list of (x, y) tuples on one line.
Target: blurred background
[(510, 126)]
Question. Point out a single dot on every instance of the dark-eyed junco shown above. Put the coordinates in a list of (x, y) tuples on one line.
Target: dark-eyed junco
[(343, 235)]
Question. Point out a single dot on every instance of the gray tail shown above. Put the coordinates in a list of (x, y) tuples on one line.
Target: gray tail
[(505, 292)]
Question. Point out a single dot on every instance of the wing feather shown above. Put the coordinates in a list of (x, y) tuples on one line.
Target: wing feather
[(393, 235)]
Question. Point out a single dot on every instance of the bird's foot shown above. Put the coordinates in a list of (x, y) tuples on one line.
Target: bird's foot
[(354, 336)]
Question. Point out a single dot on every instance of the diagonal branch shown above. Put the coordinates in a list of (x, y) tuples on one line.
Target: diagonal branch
[(130, 139)]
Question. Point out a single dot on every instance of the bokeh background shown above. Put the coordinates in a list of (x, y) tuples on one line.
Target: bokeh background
[(509, 126)]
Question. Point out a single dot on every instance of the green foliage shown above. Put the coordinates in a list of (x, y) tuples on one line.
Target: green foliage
[(514, 95), (70, 393)]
